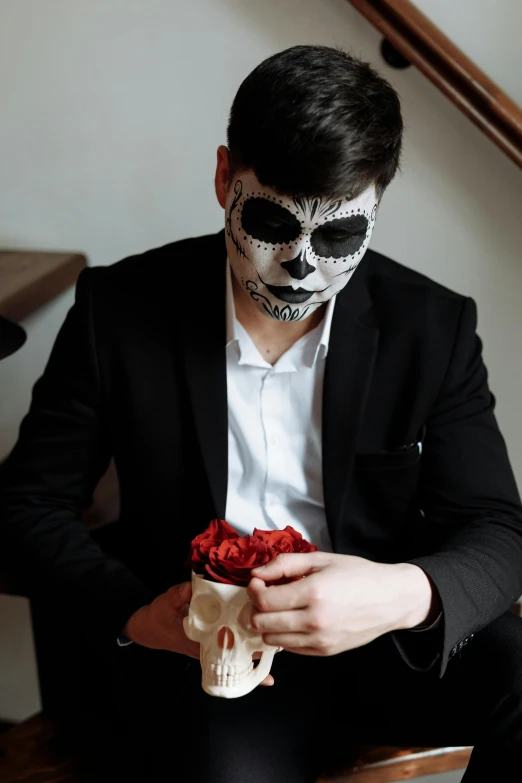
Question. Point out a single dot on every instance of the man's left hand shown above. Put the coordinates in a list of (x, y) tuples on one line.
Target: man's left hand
[(343, 602)]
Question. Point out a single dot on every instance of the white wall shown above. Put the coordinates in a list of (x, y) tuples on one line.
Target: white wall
[(112, 111), (485, 31)]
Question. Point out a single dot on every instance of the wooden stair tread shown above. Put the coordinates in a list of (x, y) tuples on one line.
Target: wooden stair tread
[(30, 279), (35, 751), (385, 764)]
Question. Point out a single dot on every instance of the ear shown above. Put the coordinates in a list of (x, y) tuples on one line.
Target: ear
[(222, 175)]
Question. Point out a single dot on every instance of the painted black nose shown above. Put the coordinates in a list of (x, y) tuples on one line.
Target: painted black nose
[(298, 267)]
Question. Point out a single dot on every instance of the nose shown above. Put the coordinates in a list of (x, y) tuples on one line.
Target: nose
[(298, 267), (225, 638)]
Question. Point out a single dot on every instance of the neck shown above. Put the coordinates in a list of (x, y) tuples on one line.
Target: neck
[(272, 338)]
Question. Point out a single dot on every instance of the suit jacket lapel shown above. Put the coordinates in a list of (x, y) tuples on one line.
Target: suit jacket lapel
[(204, 346), (349, 367)]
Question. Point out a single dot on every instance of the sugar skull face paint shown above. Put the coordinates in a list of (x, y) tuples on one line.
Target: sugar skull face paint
[(292, 254)]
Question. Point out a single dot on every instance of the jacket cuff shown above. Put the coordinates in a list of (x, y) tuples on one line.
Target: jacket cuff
[(421, 651), (434, 624)]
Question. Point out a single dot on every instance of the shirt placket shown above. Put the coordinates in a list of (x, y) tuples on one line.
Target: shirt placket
[(274, 447)]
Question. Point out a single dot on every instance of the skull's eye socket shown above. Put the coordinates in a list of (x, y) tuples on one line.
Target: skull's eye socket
[(206, 609), (244, 618)]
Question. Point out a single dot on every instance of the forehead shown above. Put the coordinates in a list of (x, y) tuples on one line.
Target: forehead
[(311, 207)]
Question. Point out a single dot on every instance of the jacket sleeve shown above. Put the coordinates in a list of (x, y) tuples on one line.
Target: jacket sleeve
[(62, 451), (471, 505)]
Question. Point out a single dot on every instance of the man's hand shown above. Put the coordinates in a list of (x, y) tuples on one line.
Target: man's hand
[(343, 602), (159, 625)]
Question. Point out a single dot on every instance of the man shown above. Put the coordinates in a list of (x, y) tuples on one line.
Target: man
[(279, 372)]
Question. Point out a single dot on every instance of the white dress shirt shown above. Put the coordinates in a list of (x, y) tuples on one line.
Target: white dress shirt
[(275, 473)]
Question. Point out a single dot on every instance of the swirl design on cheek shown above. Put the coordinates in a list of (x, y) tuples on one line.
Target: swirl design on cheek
[(238, 191), (350, 269)]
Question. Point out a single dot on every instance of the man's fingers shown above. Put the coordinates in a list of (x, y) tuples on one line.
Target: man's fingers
[(286, 622), (178, 595), (269, 680), (288, 565), (305, 651), (278, 598), (289, 641)]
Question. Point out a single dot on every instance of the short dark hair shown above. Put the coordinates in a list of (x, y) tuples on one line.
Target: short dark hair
[(316, 120)]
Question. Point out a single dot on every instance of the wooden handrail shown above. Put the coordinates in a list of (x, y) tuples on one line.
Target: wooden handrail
[(424, 45)]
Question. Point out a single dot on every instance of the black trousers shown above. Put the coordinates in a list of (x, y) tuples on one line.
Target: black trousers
[(155, 723)]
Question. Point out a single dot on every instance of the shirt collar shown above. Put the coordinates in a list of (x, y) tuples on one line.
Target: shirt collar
[(316, 350), (232, 332)]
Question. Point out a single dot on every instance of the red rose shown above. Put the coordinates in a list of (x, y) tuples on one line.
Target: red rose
[(220, 554), (232, 561), (200, 546), (287, 540)]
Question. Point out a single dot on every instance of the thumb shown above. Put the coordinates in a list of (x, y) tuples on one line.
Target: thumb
[(178, 595), (286, 565)]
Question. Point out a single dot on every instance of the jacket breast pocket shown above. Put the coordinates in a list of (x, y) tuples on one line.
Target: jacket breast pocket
[(384, 495), (389, 460)]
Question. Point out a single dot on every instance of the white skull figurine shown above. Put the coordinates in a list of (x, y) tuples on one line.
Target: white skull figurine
[(218, 618)]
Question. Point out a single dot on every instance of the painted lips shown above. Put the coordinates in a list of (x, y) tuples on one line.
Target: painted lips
[(291, 295)]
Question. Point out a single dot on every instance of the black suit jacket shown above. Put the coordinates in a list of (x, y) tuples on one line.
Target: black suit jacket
[(138, 372)]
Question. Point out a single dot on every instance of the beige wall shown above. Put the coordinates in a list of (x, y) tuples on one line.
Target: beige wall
[(112, 111)]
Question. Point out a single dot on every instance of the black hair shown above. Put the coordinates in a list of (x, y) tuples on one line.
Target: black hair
[(315, 120)]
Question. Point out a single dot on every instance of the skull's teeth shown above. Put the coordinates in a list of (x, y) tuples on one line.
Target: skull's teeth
[(228, 674)]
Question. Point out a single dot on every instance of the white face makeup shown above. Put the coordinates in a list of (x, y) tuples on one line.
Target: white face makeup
[(292, 254)]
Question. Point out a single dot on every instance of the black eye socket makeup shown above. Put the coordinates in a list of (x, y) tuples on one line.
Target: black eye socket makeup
[(273, 224), (341, 237), (269, 222)]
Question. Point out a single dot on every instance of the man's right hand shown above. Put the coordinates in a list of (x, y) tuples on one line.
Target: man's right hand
[(159, 625)]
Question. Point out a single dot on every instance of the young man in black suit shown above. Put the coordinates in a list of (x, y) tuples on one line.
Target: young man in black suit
[(277, 373)]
